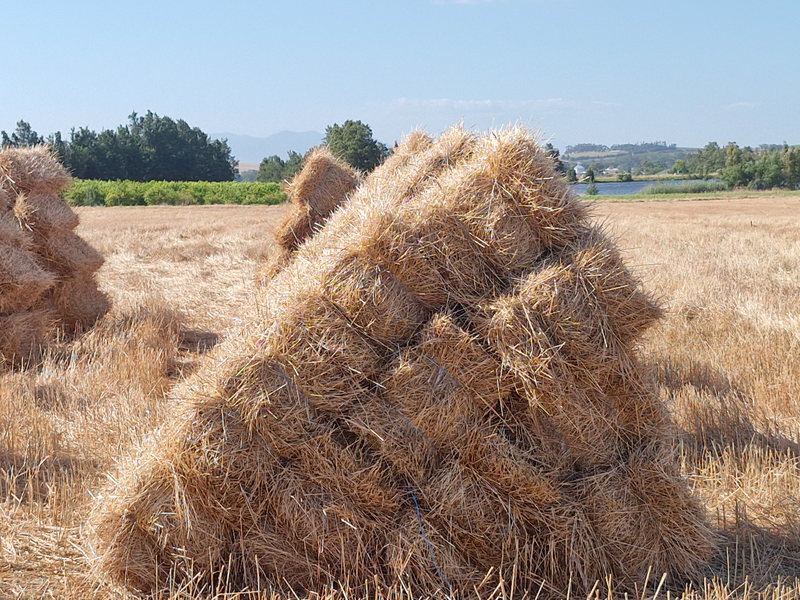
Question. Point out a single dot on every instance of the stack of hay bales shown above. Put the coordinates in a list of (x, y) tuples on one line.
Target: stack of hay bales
[(315, 192), (444, 390), (46, 270)]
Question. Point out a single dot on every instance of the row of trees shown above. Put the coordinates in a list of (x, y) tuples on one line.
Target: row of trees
[(154, 148), (765, 167), (148, 148), (640, 148)]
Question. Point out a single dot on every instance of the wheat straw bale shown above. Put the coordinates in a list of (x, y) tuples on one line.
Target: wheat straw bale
[(44, 213), (315, 192), (446, 383), (323, 182), (297, 226), (69, 255), (32, 170), (12, 233), (22, 280), (644, 511), (418, 162), (443, 381), (7, 199), (46, 270), (78, 302), (448, 236), (23, 334)]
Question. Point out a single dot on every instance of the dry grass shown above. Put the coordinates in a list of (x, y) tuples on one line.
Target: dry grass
[(727, 358)]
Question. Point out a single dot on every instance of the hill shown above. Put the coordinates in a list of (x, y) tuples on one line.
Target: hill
[(648, 158), (249, 149)]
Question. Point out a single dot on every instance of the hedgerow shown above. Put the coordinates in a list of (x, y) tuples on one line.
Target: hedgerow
[(84, 192)]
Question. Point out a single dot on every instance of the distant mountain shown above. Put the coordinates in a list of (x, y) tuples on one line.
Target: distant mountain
[(249, 149)]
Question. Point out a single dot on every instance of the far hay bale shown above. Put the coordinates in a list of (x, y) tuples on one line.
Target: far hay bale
[(322, 183), (315, 192), (443, 390)]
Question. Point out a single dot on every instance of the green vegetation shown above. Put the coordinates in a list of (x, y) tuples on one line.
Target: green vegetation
[(686, 187), (572, 176), (762, 168), (591, 189), (22, 136), (148, 148), (133, 193), (555, 154), (353, 143), (274, 168)]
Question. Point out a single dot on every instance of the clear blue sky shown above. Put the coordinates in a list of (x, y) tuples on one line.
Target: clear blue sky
[(614, 71)]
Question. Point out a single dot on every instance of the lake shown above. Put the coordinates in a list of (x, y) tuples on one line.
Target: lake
[(624, 188)]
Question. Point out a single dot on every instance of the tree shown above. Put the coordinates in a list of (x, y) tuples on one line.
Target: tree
[(679, 167), (292, 166), (274, 168), (172, 150), (23, 135), (148, 148), (555, 154), (589, 175), (353, 143), (271, 169), (572, 176)]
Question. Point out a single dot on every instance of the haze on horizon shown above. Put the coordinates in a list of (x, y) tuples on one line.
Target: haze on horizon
[(617, 71)]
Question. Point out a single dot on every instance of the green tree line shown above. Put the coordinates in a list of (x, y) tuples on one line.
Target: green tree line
[(148, 148), (765, 167)]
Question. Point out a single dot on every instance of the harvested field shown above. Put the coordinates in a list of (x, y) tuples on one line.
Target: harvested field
[(726, 357)]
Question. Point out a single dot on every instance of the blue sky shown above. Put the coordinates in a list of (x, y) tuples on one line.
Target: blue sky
[(611, 71)]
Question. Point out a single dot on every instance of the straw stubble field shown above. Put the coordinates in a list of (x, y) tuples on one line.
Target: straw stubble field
[(182, 278)]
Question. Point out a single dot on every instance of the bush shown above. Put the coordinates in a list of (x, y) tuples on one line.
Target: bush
[(135, 193), (592, 190), (624, 177), (687, 187)]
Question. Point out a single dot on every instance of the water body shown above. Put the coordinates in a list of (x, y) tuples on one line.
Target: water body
[(624, 188)]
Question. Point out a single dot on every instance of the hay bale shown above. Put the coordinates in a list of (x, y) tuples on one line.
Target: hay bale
[(77, 302), (315, 192), (12, 233), (7, 199), (22, 280), (32, 170), (44, 213), (443, 381), (68, 255), (46, 270), (322, 183), (23, 335)]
